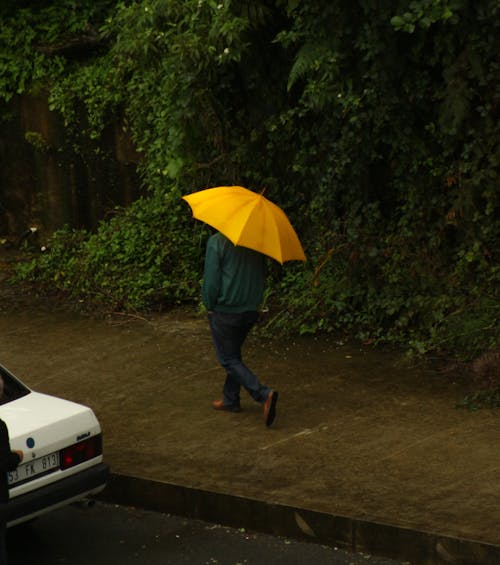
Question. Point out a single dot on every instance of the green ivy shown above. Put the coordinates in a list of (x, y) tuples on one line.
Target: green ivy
[(147, 255), (481, 399)]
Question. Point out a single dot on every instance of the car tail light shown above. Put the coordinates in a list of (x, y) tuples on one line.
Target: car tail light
[(81, 451)]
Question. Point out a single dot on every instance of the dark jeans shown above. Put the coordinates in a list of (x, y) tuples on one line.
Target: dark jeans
[(229, 331)]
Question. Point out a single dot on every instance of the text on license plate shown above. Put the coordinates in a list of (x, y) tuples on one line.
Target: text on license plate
[(33, 468)]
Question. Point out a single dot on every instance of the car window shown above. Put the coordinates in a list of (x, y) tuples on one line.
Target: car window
[(12, 388)]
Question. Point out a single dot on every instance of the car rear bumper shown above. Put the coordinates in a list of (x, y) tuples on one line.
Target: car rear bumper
[(56, 494)]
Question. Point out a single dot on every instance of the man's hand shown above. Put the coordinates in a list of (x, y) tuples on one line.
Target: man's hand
[(20, 453)]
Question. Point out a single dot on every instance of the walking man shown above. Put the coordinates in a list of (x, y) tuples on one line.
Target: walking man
[(233, 289)]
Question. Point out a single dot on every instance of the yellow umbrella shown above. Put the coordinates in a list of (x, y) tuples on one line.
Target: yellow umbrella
[(248, 219)]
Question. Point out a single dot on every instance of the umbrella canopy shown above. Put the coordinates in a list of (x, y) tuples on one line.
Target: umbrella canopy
[(248, 219)]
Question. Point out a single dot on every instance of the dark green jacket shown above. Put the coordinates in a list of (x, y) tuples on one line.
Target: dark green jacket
[(234, 278)]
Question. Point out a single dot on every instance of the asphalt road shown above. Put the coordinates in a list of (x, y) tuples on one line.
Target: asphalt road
[(107, 534)]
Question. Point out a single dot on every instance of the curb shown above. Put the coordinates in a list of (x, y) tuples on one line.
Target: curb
[(417, 547)]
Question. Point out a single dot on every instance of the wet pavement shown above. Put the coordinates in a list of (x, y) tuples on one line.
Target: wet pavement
[(111, 534), (365, 450)]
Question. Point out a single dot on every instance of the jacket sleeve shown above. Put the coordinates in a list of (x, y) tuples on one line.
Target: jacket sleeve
[(9, 460), (212, 275)]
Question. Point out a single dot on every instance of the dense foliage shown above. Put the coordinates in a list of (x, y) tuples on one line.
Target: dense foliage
[(374, 125), (135, 259)]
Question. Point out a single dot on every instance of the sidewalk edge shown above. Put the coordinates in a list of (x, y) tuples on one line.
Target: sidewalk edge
[(417, 547)]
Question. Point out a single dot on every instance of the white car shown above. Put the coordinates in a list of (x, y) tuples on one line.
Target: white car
[(62, 445)]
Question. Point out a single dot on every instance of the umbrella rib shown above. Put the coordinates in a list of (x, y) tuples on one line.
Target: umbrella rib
[(245, 211), (268, 224)]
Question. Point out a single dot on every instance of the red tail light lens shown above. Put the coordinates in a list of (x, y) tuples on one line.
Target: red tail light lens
[(80, 452)]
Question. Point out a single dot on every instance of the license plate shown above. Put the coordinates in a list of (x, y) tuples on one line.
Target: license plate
[(27, 471)]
